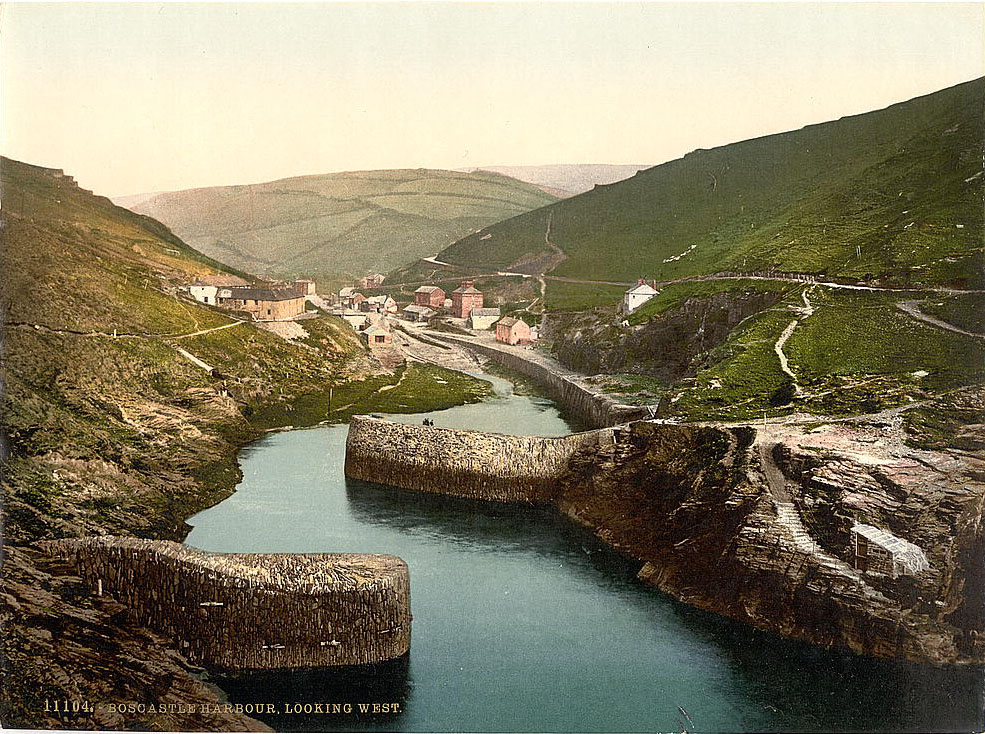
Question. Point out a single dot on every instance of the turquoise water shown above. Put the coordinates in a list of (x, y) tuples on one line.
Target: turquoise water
[(523, 622)]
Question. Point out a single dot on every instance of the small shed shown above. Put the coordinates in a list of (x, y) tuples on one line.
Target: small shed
[(415, 312), (875, 550), (377, 335)]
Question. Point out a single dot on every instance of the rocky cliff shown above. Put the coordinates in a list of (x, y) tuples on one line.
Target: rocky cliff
[(748, 522)]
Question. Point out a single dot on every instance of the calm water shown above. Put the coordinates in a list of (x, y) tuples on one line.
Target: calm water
[(523, 622)]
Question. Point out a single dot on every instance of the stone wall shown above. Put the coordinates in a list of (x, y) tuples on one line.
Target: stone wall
[(241, 612), (568, 390), (472, 464)]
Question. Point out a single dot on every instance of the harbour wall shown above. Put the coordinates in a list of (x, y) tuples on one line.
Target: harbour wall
[(249, 612), (592, 408), (473, 464)]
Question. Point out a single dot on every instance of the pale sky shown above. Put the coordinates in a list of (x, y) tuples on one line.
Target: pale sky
[(150, 97)]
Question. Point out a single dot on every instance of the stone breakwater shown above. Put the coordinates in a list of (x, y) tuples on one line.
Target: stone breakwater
[(487, 466), (717, 524), (243, 612), (568, 389)]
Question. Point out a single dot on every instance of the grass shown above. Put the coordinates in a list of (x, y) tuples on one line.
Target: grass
[(418, 388), (674, 295), (883, 197), (562, 296), (965, 311)]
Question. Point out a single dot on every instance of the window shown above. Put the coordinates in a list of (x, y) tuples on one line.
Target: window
[(379, 339), (205, 299)]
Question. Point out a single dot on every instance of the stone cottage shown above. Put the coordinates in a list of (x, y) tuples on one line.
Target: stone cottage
[(430, 296), (510, 330), (264, 304), (205, 287), (377, 336)]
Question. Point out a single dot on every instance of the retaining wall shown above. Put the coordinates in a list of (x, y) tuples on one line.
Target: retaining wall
[(490, 466), (241, 612), (592, 408)]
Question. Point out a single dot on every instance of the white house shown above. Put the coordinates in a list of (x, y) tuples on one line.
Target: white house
[(637, 296), (483, 318), (204, 288)]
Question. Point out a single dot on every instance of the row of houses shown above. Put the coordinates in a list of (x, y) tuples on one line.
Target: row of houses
[(277, 302)]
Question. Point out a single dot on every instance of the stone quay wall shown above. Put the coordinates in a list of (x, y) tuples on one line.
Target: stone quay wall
[(249, 612), (473, 464), (567, 389)]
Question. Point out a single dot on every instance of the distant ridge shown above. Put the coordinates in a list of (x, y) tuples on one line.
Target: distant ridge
[(567, 179), (339, 225)]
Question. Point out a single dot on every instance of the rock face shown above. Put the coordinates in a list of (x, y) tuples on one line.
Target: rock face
[(242, 612), (664, 347), (753, 523)]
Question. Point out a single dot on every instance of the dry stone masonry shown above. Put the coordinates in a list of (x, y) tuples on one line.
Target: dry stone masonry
[(473, 464), (242, 612)]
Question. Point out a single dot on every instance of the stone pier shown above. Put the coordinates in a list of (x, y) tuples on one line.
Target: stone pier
[(473, 464), (247, 612)]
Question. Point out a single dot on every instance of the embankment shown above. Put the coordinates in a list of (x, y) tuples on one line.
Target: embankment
[(568, 390), (490, 466), (694, 504), (243, 612)]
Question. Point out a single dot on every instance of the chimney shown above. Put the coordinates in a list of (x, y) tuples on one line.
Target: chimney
[(468, 284), (640, 281)]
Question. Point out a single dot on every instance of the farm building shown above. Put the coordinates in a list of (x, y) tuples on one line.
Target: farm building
[(875, 550), (377, 335), (464, 299), (483, 318), (430, 296), (265, 304), (380, 304), (374, 280), (637, 296), (415, 312), (305, 287), (512, 331), (204, 288)]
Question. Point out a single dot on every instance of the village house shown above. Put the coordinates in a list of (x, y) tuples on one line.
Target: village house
[(875, 550), (637, 296), (264, 304), (483, 318), (464, 299), (377, 335), (513, 331), (375, 280), (205, 287), (305, 287), (417, 313), (380, 304), (430, 296)]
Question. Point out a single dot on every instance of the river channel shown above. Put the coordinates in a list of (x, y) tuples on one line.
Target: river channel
[(524, 622)]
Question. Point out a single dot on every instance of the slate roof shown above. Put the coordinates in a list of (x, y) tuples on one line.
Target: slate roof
[(909, 555), (509, 321), (485, 312), (428, 289), (260, 294), (642, 289)]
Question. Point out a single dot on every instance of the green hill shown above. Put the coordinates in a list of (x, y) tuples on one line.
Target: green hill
[(892, 196), (339, 225)]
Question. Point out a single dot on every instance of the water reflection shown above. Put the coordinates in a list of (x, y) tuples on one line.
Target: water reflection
[(524, 621)]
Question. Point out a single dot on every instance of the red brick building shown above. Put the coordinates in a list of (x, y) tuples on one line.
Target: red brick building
[(512, 331), (464, 299), (430, 296)]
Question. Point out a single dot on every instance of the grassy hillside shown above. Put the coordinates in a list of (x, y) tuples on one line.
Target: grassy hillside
[(567, 178), (339, 225), (893, 196), (108, 428)]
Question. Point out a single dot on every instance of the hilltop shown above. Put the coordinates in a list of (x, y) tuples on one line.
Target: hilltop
[(566, 179), (891, 196), (338, 226)]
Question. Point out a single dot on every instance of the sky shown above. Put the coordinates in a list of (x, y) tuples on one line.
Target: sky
[(160, 96)]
